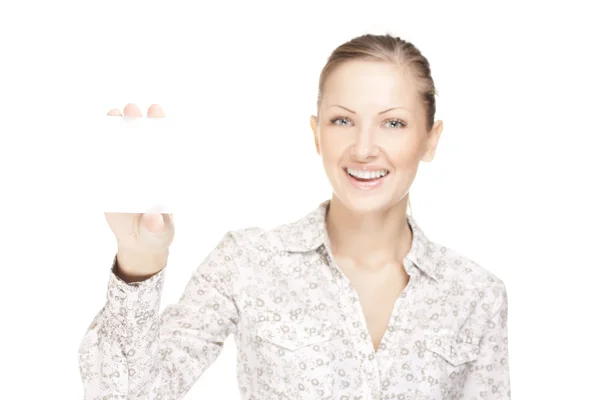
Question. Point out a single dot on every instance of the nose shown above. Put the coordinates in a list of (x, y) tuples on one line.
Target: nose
[(364, 147)]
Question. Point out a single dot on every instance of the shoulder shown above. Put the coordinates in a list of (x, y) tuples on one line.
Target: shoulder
[(254, 239), (296, 235), (458, 268), (466, 282)]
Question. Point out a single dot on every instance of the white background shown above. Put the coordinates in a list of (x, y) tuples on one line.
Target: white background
[(514, 184)]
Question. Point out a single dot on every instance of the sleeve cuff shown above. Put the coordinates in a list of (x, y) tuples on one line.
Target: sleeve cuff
[(134, 304)]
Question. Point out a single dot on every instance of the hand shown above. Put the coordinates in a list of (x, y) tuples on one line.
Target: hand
[(143, 239)]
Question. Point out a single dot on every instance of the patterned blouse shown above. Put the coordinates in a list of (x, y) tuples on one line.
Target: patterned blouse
[(299, 327)]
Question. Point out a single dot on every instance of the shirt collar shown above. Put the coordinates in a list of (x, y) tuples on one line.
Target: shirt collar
[(309, 233)]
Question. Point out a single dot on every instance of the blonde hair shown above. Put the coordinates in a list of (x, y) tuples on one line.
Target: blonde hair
[(385, 48)]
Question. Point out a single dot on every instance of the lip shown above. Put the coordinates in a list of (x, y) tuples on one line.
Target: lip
[(367, 185)]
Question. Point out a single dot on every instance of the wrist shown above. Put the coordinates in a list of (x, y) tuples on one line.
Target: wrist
[(135, 266)]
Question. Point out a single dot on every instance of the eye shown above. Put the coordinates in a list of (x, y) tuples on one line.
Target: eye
[(395, 123), (340, 121)]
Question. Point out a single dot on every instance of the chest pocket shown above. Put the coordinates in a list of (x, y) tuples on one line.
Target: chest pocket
[(297, 356), (452, 348), (448, 357)]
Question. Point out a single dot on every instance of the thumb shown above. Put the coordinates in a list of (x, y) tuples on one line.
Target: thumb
[(153, 222)]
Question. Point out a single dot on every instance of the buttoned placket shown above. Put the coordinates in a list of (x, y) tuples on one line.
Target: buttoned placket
[(397, 334), (355, 322)]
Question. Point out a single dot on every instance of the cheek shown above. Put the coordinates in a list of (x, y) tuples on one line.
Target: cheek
[(333, 146), (404, 153), (404, 158)]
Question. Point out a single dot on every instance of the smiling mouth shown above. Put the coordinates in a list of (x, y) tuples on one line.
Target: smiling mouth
[(366, 176)]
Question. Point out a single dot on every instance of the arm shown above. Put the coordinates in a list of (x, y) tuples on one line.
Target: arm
[(489, 376), (130, 351)]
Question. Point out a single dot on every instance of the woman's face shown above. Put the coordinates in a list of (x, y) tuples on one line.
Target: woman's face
[(372, 134)]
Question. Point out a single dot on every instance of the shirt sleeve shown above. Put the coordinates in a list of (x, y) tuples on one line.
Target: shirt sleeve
[(489, 376), (131, 351)]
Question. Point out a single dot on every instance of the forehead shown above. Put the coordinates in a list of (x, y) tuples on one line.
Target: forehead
[(377, 84)]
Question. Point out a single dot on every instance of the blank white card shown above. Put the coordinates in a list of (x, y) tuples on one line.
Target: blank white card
[(136, 164)]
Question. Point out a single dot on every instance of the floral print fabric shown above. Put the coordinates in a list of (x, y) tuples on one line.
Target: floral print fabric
[(299, 328)]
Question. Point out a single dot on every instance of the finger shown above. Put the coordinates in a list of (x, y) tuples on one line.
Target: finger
[(131, 110), (153, 222), (168, 220), (114, 113), (155, 111)]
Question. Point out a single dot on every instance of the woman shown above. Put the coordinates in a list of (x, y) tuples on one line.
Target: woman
[(352, 301)]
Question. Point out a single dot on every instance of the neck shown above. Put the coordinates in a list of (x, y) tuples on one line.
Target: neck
[(372, 239)]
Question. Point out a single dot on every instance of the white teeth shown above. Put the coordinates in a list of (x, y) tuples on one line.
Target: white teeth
[(366, 174)]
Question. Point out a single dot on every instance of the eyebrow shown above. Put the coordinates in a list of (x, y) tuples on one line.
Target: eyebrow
[(354, 112)]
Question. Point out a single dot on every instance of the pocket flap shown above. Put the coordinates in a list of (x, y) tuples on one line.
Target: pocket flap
[(293, 336), (451, 347)]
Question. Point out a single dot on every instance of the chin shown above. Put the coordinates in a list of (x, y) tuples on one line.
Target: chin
[(365, 204)]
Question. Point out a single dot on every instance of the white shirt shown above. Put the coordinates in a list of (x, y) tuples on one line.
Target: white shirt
[(299, 328)]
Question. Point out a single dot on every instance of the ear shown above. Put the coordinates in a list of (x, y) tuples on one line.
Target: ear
[(314, 125), (433, 140)]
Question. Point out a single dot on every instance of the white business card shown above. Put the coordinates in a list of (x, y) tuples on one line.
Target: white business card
[(134, 163)]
